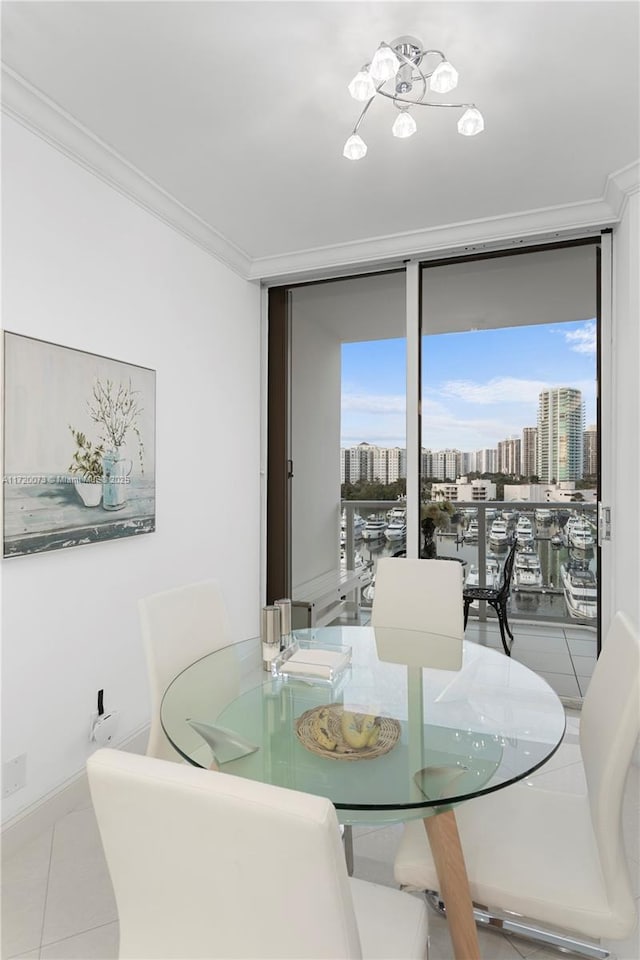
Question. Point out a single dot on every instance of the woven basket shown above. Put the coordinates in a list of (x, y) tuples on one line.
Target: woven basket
[(388, 737)]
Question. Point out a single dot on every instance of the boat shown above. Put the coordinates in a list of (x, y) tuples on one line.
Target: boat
[(492, 577), (397, 529), (524, 531), (580, 536), (510, 514), (358, 527), (580, 589), (498, 535), (471, 533), (397, 513), (360, 565), (557, 540), (374, 528), (369, 591), (492, 574), (527, 571), (543, 515)]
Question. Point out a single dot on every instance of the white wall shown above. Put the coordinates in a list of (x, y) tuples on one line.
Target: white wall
[(85, 267), (625, 545)]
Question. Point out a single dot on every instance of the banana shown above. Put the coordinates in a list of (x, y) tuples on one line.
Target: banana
[(357, 728), (320, 730), (374, 736)]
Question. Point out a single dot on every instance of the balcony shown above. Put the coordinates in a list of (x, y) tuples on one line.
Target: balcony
[(553, 603)]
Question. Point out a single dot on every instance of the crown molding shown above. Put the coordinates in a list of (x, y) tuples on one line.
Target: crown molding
[(543, 225), (620, 186), (35, 111), (42, 116)]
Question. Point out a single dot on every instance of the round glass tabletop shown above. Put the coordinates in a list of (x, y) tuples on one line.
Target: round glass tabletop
[(436, 736)]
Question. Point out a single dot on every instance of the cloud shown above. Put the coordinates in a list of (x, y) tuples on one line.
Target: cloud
[(373, 403), (498, 390), (582, 340)]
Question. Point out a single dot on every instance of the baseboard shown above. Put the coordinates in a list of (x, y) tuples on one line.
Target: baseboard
[(72, 794)]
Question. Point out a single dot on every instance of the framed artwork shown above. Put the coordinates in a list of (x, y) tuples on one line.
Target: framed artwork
[(79, 447)]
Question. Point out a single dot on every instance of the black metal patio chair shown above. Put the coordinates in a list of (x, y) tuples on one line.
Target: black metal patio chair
[(497, 597)]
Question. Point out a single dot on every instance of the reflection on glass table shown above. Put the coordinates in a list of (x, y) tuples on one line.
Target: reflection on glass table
[(389, 739), (462, 733)]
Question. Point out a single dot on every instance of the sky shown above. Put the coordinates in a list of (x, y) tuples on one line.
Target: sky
[(478, 387)]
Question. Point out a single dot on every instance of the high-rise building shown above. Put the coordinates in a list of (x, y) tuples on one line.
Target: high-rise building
[(529, 458), (590, 451), (509, 457), (426, 463), (379, 464), (560, 430), (487, 460), (396, 464), (446, 464)]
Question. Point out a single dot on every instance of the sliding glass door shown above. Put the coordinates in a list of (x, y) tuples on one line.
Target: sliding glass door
[(467, 383)]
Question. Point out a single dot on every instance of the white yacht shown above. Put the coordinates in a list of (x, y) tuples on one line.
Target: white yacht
[(543, 515), (358, 527), (492, 574), (369, 591), (374, 528), (580, 535), (524, 530), (397, 513), (498, 535), (580, 590), (360, 565), (397, 529), (471, 533), (527, 571), (492, 577)]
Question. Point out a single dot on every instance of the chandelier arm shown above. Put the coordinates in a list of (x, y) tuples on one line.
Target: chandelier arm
[(362, 114), (422, 103)]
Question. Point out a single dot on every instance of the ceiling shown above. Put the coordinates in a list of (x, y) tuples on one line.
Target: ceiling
[(238, 111)]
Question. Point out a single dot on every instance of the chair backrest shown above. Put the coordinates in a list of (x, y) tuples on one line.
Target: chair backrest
[(609, 729), (507, 572), (178, 627), (425, 596), (206, 864)]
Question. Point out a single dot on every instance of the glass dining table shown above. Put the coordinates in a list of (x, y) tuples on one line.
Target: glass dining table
[(387, 738)]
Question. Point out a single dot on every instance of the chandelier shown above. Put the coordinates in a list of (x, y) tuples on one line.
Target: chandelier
[(403, 72)]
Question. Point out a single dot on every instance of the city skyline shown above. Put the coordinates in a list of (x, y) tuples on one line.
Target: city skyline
[(461, 408)]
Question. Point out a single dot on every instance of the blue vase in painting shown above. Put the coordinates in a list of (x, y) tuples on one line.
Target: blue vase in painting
[(115, 480)]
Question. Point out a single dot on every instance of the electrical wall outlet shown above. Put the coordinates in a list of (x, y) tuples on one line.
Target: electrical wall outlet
[(104, 729), (14, 775)]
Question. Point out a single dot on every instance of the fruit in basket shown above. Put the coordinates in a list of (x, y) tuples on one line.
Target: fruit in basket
[(359, 729), (320, 730)]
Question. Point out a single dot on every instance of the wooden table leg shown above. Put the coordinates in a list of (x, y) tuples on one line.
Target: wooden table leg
[(444, 839)]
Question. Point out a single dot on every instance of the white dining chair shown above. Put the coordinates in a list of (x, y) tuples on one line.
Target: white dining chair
[(178, 627), (423, 599), (550, 856), (211, 865)]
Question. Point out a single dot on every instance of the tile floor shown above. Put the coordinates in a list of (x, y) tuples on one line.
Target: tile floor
[(57, 900), (564, 655)]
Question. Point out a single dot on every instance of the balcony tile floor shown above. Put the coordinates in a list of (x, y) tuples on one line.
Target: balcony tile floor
[(57, 900)]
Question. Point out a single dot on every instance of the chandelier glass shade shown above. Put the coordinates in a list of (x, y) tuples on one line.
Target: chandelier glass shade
[(404, 72)]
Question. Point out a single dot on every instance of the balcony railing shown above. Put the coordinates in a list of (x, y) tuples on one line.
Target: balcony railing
[(555, 574)]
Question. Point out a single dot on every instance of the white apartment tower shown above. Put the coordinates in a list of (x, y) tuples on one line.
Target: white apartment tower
[(487, 460), (446, 464), (426, 463), (590, 453), (396, 464), (509, 457), (560, 434), (529, 459)]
